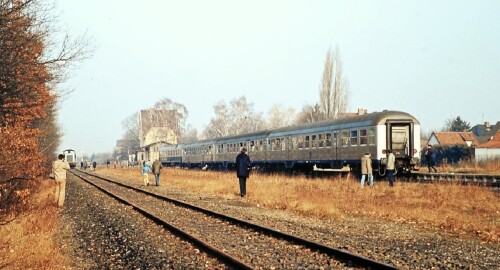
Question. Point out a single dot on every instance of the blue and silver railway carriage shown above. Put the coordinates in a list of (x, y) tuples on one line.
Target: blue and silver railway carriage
[(325, 144), (70, 157)]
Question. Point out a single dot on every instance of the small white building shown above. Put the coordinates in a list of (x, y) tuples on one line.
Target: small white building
[(489, 150)]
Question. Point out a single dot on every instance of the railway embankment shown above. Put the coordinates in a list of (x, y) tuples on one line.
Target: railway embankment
[(406, 243)]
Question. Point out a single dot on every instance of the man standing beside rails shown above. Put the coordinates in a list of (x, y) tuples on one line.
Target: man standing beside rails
[(243, 164), (59, 168)]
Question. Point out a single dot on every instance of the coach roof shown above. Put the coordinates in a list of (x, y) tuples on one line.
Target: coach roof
[(371, 119)]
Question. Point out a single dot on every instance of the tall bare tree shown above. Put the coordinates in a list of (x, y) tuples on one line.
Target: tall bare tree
[(334, 90)]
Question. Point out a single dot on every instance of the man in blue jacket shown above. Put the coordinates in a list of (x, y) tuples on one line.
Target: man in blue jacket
[(243, 164)]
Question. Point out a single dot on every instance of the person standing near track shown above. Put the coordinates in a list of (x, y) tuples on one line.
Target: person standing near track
[(243, 164), (430, 156), (145, 173), (366, 169), (156, 171), (59, 168), (391, 162)]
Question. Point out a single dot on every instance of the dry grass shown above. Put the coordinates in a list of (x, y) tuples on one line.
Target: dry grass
[(27, 242), (461, 210)]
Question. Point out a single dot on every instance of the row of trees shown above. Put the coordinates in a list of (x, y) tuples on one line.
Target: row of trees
[(239, 116), (33, 61)]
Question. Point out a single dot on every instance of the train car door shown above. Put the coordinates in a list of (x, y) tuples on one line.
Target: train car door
[(399, 138)]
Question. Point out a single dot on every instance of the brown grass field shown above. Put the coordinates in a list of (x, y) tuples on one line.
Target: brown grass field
[(465, 211), (28, 241)]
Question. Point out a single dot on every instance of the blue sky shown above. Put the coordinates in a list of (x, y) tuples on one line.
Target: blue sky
[(433, 59)]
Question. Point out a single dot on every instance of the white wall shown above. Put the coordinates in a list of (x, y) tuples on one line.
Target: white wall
[(483, 154)]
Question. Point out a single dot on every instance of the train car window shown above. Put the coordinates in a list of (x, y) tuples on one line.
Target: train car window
[(283, 144), (345, 138), (328, 140), (363, 137), (301, 142), (306, 142), (371, 136), (321, 140), (354, 138), (314, 143), (294, 143), (335, 140)]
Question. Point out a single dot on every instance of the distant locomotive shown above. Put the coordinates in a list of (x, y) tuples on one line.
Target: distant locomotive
[(70, 157), (327, 144)]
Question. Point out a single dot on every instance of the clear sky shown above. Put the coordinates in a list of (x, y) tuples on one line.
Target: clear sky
[(433, 59)]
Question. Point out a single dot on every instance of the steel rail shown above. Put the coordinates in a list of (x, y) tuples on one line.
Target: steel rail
[(224, 257), (488, 180), (341, 254)]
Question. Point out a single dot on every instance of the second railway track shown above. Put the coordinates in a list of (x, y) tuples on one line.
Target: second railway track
[(238, 243)]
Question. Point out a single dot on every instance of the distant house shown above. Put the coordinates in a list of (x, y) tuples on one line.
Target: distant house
[(489, 150), (452, 146), (157, 128), (447, 138), (485, 131)]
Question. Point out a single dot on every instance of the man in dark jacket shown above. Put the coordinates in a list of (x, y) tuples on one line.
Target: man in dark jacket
[(430, 156), (243, 163)]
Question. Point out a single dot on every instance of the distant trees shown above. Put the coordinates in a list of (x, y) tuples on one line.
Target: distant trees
[(279, 116), (237, 118), (309, 114), (179, 113), (456, 124)]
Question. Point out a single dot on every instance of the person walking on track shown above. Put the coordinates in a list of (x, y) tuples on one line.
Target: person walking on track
[(156, 171)]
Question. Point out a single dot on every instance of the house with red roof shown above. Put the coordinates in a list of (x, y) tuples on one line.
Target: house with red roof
[(451, 146), (447, 138), (489, 150)]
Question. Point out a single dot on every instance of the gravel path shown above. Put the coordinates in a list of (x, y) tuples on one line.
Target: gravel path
[(127, 244)]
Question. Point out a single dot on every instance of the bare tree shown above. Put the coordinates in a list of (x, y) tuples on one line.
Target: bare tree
[(279, 116), (176, 118), (239, 118), (190, 135), (334, 90), (131, 127), (309, 114)]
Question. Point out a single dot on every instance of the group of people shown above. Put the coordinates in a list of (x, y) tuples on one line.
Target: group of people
[(243, 166), (367, 171), (92, 165), (154, 168)]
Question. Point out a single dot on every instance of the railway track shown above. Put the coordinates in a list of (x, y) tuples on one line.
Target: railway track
[(489, 180), (237, 243)]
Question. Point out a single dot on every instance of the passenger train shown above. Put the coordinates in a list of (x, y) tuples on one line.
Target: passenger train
[(327, 144), (70, 157)]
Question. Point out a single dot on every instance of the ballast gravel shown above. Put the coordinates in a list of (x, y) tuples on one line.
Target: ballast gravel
[(98, 232)]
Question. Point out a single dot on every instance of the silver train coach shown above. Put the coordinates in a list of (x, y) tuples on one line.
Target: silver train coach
[(327, 144)]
